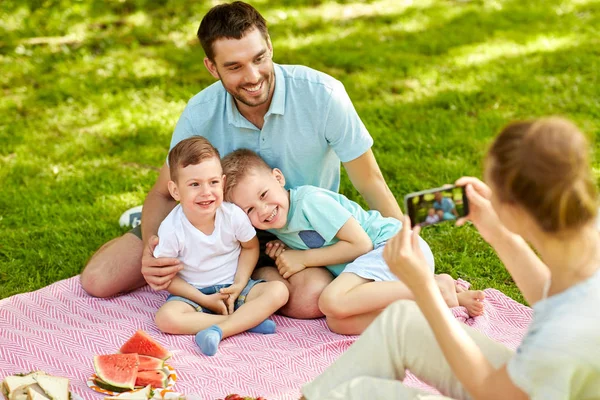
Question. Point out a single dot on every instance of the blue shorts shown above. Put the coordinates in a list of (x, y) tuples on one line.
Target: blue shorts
[(215, 289), (372, 265)]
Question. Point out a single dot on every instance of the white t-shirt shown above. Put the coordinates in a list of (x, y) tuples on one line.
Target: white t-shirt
[(208, 259), (559, 357)]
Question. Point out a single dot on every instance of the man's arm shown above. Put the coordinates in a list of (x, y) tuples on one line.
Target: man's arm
[(365, 175), (158, 272)]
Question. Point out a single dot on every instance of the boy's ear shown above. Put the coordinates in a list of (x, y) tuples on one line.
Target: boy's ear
[(211, 67), (279, 176), (270, 46), (173, 190)]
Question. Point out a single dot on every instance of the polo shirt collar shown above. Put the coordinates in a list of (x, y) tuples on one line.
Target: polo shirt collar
[(277, 103)]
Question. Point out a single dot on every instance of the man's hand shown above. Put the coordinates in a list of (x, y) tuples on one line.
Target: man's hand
[(274, 248), (233, 292), (158, 272), (215, 302), (290, 262)]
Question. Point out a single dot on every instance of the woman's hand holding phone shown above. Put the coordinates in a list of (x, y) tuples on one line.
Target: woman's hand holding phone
[(481, 212), (405, 259)]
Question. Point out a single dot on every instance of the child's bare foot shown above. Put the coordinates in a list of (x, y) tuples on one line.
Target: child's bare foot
[(459, 288), (472, 300), (448, 290)]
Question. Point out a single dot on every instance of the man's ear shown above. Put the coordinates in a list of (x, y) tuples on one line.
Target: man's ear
[(211, 67), (173, 190), (270, 45), (279, 176)]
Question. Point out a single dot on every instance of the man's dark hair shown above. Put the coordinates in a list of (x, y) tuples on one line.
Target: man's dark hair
[(231, 21)]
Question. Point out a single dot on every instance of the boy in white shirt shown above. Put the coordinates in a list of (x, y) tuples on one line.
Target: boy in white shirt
[(213, 296)]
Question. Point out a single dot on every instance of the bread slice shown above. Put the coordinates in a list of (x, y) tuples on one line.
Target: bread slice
[(55, 387), (11, 383), (35, 392)]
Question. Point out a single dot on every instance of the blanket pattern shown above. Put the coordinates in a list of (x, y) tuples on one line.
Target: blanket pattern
[(60, 328)]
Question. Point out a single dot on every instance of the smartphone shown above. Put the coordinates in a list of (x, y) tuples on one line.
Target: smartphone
[(432, 206)]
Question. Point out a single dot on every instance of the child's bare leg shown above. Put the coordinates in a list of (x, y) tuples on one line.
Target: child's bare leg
[(472, 300), (448, 289), (261, 302), (179, 318), (350, 302), (354, 325)]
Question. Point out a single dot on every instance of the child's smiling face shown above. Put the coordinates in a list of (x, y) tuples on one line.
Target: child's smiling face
[(262, 196)]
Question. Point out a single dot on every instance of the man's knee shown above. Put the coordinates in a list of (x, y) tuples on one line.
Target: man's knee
[(305, 291), (114, 268)]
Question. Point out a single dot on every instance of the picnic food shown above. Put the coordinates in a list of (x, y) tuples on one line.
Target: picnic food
[(140, 363), (156, 378), (141, 343), (35, 386), (238, 397), (117, 370)]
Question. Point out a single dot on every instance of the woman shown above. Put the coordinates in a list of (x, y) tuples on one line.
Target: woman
[(541, 190)]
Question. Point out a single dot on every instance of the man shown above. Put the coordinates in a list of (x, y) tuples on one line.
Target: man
[(298, 119), (445, 207)]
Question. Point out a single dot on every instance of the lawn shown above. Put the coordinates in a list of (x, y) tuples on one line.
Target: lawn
[(92, 90)]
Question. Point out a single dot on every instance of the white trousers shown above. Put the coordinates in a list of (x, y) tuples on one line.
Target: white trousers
[(399, 339)]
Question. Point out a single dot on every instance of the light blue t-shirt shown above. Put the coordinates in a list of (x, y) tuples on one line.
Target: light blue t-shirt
[(447, 205), (559, 357), (316, 215), (310, 126)]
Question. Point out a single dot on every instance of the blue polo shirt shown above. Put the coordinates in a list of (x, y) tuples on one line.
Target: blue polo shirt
[(311, 126)]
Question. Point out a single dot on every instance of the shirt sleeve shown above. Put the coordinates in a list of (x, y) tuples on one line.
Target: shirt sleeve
[(325, 215), (168, 242), (344, 129), (542, 373), (183, 130), (244, 231)]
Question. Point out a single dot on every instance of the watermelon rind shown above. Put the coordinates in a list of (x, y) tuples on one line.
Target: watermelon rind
[(141, 343), (117, 370), (101, 384), (156, 378), (148, 363)]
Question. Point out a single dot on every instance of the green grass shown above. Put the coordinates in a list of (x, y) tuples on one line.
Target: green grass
[(92, 90)]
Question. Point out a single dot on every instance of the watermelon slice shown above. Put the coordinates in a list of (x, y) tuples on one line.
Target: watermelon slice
[(148, 363), (101, 384), (117, 370), (141, 343), (156, 378)]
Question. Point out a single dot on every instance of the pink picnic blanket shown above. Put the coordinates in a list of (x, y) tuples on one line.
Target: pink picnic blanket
[(60, 328)]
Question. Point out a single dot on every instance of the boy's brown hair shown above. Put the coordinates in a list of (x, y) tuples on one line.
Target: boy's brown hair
[(543, 165), (231, 21), (237, 165), (190, 151)]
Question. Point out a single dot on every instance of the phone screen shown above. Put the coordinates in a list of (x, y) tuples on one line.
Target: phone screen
[(429, 207)]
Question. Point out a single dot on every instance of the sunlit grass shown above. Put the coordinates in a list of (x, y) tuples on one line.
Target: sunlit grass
[(91, 92)]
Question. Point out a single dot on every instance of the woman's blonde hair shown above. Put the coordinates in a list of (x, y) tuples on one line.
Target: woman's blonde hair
[(544, 166)]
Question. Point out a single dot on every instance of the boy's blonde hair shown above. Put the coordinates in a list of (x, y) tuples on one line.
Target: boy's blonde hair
[(237, 165), (190, 151), (543, 165)]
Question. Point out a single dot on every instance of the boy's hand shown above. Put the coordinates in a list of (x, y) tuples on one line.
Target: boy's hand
[(275, 248), (216, 303), (233, 292), (290, 262)]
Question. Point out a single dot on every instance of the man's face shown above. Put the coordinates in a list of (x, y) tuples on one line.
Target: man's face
[(199, 189), (245, 67), (262, 196)]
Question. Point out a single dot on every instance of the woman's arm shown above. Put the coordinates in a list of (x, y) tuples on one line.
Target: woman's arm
[(404, 257), (527, 270)]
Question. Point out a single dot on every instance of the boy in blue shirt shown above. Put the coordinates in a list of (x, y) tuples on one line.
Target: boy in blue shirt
[(324, 228)]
